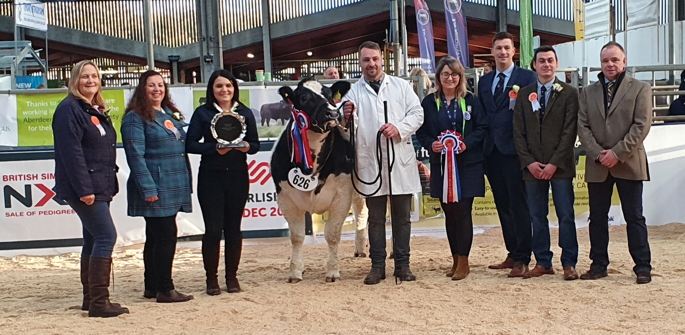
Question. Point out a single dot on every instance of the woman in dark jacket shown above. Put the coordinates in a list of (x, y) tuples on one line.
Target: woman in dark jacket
[(223, 182), (159, 184), (86, 178), (451, 107), (678, 105)]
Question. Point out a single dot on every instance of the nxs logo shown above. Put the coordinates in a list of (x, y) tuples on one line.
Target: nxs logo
[(27, 198), (259, 172)]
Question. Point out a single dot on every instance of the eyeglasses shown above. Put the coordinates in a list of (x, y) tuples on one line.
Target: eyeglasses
[(445, 75)]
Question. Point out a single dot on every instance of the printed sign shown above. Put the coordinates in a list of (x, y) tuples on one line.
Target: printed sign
[(31, 14)]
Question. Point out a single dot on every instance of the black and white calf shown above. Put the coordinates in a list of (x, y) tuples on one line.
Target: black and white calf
[(311, 166)]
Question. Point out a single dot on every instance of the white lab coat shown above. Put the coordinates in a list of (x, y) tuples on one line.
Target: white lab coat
[(406, 113)]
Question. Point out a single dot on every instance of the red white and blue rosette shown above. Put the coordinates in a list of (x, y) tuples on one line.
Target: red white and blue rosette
[(301, 155), (451, 186)]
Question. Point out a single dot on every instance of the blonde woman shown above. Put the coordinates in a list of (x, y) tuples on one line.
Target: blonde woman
[(85, 177), (428, 84), (451, 107)]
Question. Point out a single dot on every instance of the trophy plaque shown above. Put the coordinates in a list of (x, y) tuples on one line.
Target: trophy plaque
[(228, 128)]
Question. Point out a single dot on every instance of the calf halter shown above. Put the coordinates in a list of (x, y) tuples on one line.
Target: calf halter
[(301, 155)]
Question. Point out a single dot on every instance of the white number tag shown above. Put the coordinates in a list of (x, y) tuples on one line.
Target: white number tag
[(301, 181)]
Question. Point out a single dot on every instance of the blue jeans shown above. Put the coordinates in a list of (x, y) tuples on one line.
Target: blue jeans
[(99, 233), (538, 204)]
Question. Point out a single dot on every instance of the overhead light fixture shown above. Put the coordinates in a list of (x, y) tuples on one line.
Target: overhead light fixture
[(250, 55), (309, 53)]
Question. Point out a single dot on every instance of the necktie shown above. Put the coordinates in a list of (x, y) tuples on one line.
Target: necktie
[(499, 89), (542, 99), (610, 93)]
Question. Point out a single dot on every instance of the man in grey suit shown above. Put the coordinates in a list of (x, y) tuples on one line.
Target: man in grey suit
[(614, 118), (545, 120)]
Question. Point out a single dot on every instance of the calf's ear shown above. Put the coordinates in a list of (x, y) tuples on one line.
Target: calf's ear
[(340, 88), (286, 92)]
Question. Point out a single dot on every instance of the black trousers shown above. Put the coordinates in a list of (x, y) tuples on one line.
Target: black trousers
[(401, 229), (459, 225), (630, 193), (222, 195), (158, 253), (509, 190)]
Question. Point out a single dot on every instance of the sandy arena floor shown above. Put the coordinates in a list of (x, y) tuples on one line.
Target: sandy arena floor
[(38, 294)]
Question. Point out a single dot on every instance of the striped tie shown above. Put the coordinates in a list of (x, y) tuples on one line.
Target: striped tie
[(610, 93)]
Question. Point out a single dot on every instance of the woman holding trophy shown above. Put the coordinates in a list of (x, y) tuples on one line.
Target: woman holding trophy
[(223, 131), (159, 184)]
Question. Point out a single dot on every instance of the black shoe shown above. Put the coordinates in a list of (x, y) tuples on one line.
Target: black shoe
[(173, 296), (644, 278), (404, 274), (149, 294), (375, 276), (592, 275)]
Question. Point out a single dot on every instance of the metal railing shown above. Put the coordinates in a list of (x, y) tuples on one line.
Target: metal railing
[(558, 9), (175, 19)]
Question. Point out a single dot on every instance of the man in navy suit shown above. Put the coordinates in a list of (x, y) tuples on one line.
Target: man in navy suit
[(497, 92)]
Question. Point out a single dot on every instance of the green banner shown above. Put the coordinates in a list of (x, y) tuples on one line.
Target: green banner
[(526, 12), (35, 112)]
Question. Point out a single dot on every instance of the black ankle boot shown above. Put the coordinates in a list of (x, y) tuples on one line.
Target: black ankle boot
[(404, 274), (375, 276)]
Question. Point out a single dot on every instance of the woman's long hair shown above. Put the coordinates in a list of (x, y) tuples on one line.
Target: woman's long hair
[(211, 99), (456, 67), (142, 106), (76, 72)]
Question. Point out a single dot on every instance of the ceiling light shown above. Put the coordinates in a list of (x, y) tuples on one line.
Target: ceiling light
[(309, 53), (250, 55)]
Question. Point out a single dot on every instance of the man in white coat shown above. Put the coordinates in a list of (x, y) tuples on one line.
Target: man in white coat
[(365, 105)]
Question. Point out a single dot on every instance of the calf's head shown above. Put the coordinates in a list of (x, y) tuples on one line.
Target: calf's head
[(316, 100)]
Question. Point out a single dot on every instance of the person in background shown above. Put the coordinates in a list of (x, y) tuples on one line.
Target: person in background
[(86, 178), (451, 107), (159, 184), (331, 73), (612, 134), (487, 68), (223, 183), (545, 135), (497, 92), (427, 83), (678, 105)]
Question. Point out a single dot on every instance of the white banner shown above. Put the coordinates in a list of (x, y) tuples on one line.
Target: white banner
[(30, 212), (31, 14), (597, 19), (642, 13), (8, 121)]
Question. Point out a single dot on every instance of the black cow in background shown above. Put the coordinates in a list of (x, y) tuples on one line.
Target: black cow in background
[(275, 111)]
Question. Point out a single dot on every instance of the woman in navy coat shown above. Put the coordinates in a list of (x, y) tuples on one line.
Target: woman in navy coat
[(86, 177), (159, 184), (451, 107), (223, 183)]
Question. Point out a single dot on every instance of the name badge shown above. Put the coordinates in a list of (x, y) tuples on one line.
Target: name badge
[(302, 182)]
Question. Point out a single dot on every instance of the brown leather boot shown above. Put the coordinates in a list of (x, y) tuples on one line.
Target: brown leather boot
[(463, 268), (450, 273), (232, 258), (98, 281), (173, 296), (85, 263), (210, 258)]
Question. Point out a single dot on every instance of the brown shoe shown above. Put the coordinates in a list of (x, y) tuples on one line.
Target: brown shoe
[(570, 273), (450, 273), (518, 271), (173, 296), (463, 268), (507, 264), (538, 271)]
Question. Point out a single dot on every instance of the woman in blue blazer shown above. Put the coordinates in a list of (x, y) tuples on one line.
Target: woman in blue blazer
[(159, 185), (86, 177), (451, 107), (223, 183)]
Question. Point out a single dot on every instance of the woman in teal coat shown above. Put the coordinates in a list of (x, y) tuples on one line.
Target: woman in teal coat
[(159, 185)]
